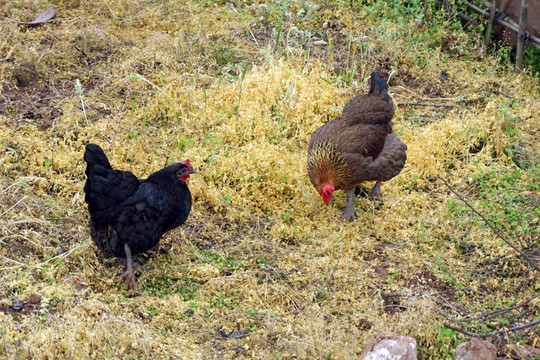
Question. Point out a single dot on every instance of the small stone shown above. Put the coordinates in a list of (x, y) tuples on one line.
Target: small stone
[(34, 299), (16, 303), (80, 287), (443, 75)]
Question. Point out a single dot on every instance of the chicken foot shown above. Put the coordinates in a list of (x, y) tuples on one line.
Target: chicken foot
[(349, 211), (129, 276), (376, 192), (137, 266)]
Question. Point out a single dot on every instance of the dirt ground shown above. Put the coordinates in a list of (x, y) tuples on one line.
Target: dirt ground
[(262, 268)]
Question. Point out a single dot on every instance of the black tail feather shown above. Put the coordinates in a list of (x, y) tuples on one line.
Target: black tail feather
[(97, 184), (94, 155)]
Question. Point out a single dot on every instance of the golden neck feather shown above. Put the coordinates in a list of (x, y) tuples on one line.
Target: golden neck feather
[(326, 165)]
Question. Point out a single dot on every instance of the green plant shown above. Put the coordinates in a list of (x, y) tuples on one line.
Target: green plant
[(447, 340), (504, 202), (244, 71), (223, 55), (220, 301), (184, 142), (264, 264), (233, 263), (392, 274), (152, 310), (351, 64), (165, 287)]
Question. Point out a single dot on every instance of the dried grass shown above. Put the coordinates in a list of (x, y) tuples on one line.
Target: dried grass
[(259, 244)]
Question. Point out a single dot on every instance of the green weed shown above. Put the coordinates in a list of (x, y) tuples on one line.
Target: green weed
[(447, 340), (223, 55), (165, 287), (226, 263), (503, 198)]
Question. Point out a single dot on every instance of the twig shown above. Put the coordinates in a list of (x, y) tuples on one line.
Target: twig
[(83, 52), (40, 265), (12, 206), (29, 221), (497, 92), (522, 35), (500, 311), (119, 119), (468, 333), (531, 262), (333, 271), (425, 104), (140, 77), (467, 233), (417, 188), (498, 332), (490, 24), (19, 264), (422, 294), (392, 73), (253, 36), (22, 180), (79, 91), (400, 294), (521, 327)]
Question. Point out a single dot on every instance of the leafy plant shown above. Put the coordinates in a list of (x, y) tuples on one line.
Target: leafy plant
[(447, 341), (165, 287), (223, 55), (504, 201)]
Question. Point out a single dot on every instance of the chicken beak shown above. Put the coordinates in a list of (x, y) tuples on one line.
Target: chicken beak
[(192, 171)]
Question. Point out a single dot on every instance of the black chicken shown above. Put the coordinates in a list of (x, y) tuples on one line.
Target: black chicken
[(129, 215)]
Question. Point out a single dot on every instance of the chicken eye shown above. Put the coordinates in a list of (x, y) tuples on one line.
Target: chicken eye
[(183, 174)]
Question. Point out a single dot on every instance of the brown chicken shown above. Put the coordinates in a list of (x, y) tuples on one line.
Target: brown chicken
[(356, 147)]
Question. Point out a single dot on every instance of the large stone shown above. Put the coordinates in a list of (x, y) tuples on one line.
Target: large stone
[(517, 351), (389, 347), (475, 349)]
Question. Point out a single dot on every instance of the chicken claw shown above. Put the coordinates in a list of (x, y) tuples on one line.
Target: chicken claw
[(129, 280), (376, 192), (129, 275), (349, 212)]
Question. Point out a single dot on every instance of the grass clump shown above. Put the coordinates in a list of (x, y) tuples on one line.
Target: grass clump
[(239, 89)]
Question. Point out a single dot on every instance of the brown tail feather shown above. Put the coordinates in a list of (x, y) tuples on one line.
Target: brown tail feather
[(379, 87)]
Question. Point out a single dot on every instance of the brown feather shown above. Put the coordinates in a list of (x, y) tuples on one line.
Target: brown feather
[(358, 146)]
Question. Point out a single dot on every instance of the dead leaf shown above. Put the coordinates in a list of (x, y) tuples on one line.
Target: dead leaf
[(40, 19)]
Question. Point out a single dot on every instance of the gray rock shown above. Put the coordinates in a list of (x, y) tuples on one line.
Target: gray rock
[(389, 347), (475, 349), (16, 303)]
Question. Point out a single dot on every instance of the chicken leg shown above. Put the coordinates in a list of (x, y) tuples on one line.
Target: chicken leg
[(129, 276), (376, 192), (349, 211)]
